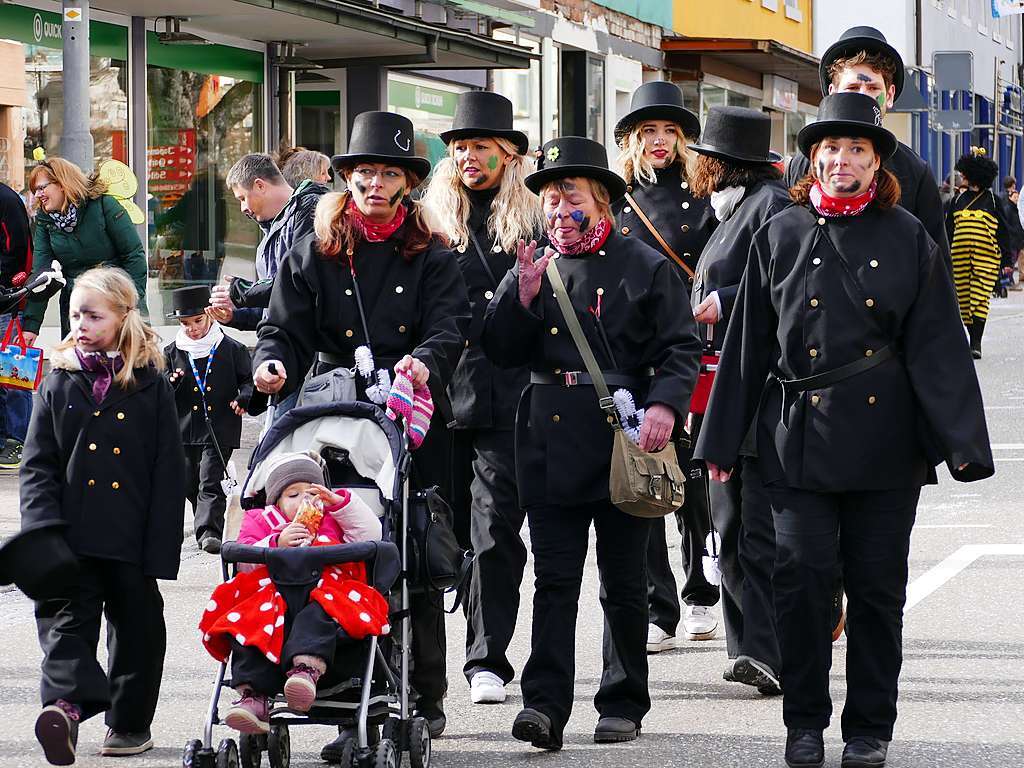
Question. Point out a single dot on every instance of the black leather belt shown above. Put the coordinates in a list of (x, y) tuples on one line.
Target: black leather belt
[(336, 360), (628, 379)]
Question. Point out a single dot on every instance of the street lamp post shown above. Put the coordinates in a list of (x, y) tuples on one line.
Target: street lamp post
[(76, 141)]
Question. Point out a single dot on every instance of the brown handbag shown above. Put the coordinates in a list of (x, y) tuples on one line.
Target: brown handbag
[(641, 484)]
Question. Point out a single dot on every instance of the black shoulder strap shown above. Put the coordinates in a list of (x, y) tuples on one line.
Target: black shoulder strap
[(483, 260)]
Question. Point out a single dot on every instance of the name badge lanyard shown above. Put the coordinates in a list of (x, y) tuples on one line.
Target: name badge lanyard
[(201, 383)]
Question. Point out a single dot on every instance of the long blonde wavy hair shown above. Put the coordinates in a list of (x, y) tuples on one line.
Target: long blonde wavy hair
[(633, 163), (515, 215), (138, 343)]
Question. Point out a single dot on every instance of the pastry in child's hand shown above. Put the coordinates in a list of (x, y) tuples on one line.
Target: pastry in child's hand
[(310, 514)]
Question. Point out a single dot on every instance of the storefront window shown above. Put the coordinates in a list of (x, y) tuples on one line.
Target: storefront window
[(795, 121), (317, 119), (431, 107), (595, 99), (522, 88), (203, 115)]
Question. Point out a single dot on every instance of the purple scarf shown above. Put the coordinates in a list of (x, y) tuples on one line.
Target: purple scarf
[(101, 368)]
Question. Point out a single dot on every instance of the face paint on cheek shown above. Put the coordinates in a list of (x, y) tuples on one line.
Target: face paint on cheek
[(579, 217), (821, 170), (551, 217), (883, 99), (393, 200), (360, 187), (492, 162)]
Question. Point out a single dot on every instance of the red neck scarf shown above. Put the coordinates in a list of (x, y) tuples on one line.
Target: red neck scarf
[(370, 230), (841, 206), (591, 240)]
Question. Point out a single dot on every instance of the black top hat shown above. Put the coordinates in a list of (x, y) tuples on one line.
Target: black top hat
[(738, 134), (483, 114), (848, 114), (383, 137), (658, 100), (570, 156), (852, 42), (188, 302), (39, 560)]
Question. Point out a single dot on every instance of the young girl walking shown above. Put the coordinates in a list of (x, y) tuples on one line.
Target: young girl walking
[(104, 455)]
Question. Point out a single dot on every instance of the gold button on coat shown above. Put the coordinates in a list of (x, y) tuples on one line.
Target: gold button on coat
[(813, 353), (685, 227), (399, 289), (874, 263), (627, 209), (195, 407), (348, 291), (554, 331), (195, 389), (115, 485), (117, 451), (870, 302), (815, 399), (95, 413), (92, 446), (461, 249), (401, 329), (489, 295), (815, 261), (349, 333), (684, 185), (120, 415), (821, 221), (556, 418), (625, 230), (602, 253), (92, 483), (868, 352), (872, 400), (686, 206), (600, 291), (814, 302)]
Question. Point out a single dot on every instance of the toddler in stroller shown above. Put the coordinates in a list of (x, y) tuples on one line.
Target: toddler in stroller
[(283, 637)]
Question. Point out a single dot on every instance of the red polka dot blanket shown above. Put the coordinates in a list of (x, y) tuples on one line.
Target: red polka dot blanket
[(249, 609)]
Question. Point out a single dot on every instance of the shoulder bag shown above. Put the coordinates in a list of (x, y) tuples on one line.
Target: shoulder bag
[(641, 484), (657, 236)]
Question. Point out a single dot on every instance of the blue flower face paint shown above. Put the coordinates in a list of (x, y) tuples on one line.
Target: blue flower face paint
[(578, 216)]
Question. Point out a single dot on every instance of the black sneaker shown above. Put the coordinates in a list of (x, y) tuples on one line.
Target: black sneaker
[(864, 752), (210, 543), (805, 748), (124, 744), (10, 456), (757, 674), (535, 727), (57, 733)]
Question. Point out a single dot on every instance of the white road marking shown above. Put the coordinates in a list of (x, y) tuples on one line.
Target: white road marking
[(1008, 446), (941, 573), (1004, 407), (954, 525)]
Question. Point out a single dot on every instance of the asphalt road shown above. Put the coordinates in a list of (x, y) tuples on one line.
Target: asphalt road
[(962, 688)]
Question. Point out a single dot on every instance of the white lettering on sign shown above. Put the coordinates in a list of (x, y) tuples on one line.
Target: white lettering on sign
[(427, 97), (47, 30)]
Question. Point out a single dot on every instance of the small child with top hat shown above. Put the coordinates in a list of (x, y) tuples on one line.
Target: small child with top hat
[(211, 374)]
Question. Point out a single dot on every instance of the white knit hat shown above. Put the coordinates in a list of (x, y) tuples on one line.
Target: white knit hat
[(288, 468)]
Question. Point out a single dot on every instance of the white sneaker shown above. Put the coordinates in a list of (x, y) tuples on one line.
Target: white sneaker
[(659, 640), (486, 688), (699, 623)]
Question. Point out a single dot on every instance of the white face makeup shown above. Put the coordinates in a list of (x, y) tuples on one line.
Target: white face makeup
[(480, 162), (661, 142), (845, 166), (94, 323), (570, 209)]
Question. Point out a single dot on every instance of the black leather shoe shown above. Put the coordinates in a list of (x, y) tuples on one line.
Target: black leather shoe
[(535, 727), (611, 730), (805, 748), (434, 715), (864, 752), (757, 674)]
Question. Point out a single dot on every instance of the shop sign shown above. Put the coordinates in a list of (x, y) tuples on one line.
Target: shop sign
[(32, 27), (421, 97), (782, 94), (170, 166)]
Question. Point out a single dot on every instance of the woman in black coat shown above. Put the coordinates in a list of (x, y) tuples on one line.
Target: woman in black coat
[(848, 312), (632, 307), (477, 200), (372, 248), (660, 209)]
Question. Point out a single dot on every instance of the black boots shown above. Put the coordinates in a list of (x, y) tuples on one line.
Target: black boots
[(805, 748), (864, 752), (975, 330)]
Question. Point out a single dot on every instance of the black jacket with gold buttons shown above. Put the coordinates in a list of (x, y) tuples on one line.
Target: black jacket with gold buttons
[(115, 471), (413, 307), (822, 293), (482, 395), (563, 439), (230, 379), (684, 221)]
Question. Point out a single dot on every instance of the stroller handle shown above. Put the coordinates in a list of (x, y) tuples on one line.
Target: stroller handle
[(311, 557)]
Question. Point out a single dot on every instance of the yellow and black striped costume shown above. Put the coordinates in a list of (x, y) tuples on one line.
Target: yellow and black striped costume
[(976, 233)]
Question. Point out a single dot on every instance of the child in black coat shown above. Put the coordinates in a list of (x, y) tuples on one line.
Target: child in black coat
[(104, 456), (212, 378)]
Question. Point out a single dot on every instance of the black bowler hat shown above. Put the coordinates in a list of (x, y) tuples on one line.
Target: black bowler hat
[(39, 561), (852, 42), (658, 100), (571, 156), (189, 302), (383, 137), (738, 135), (848, 115), (487, 115)]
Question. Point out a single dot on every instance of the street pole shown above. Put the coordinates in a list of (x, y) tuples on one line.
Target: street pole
[(76, 140)]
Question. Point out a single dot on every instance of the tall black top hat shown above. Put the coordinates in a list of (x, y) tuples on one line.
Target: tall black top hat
[(739, 135), (571, 156), (383, 137), (658, 100), (848, 115), (39, 560), (483, 114), (191, 301), (852, 42)]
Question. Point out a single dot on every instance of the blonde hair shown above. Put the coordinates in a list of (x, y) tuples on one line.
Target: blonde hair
[(515, 215), (138, 344), (602, 197), (69, 177), (633, 163)]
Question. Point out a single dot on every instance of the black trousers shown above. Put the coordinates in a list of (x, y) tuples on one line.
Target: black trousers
[(743, 517), (308, 631), (873, 531), (495, 522), (69, 632), (559, 537), (204, 472)]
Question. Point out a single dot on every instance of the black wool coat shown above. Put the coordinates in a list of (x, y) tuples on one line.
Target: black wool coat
[(724, 258), (115, 471), (484, 396), (822, 293), (563, 438), (685, 222), (919, 192), (413, 307), (230, 379)]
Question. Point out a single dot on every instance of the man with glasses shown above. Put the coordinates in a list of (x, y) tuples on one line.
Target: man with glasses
[(284, 214)]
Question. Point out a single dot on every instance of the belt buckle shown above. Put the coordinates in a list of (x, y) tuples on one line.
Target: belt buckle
[(572, 378)]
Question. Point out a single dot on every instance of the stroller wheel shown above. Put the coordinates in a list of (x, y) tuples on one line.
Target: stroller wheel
[(279, 747), (250, 750), (419, 743), (227, 754), (190, 755), (385, 755)]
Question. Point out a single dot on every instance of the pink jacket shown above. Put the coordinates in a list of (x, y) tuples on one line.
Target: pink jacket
[(351, 520)]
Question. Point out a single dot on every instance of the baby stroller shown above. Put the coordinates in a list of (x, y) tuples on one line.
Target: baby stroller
[(367, 688)]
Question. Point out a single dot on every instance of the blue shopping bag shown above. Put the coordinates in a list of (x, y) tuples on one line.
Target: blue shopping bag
[(21, 366)]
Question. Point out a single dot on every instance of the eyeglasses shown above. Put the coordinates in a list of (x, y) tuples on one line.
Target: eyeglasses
[(41, 187), (368, 174)]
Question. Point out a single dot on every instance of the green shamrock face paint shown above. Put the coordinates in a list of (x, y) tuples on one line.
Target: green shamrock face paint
[(883, 97), (492, 162)]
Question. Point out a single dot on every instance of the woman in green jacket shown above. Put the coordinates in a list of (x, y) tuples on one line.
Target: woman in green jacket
[(82, 227)]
